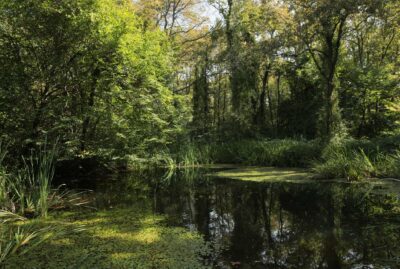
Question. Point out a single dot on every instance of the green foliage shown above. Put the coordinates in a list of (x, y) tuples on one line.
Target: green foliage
[(122, 238), (289, 153), (18, 236), (360, 159), (31, 189), (286, 153), (91, 75), (192, 154), (388, 165), (3, 176), (339, 162)]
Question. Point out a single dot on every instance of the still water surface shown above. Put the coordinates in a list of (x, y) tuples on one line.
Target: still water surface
[(269, 225)]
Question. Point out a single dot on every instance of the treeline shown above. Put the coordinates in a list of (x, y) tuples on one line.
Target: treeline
[(306, 69), (85, 72), (121, 78)]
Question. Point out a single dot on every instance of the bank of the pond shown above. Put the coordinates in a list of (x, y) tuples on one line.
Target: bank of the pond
[(351, 159), (115, 238), (346, 158)]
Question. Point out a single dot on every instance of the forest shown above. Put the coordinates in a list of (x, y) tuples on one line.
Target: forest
[(110, 108)]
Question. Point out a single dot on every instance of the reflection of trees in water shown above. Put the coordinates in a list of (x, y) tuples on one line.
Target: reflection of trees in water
[(275, 225), (282, 225)]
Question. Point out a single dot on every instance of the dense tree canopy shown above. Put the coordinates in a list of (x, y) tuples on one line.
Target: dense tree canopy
[(121, 77)]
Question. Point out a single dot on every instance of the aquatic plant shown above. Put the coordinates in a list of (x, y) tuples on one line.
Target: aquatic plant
[(285, 153), (388, 165), (194, 154), (123, 238), (18, 235), (338, 161), (359, 159), (31, 186), (4, 190)]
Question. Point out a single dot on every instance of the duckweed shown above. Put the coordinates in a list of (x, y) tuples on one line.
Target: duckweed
[(266, 174), (118, 238)]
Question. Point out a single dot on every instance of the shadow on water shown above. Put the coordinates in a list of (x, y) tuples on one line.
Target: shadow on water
[(269, 225)]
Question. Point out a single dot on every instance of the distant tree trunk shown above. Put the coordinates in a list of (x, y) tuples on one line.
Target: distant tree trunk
[(201, 98), (38, 114), (236, 100), (87, 117), (218, 109), (278, 91), (327, 63), (206, 95), (263, 98)]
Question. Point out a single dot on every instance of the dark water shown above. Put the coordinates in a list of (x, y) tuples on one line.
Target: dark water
[(269, 225)]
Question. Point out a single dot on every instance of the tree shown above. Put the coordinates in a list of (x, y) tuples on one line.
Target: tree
[(86, 72), (322, 26)]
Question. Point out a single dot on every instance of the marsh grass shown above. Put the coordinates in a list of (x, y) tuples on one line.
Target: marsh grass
[(18, 235), (340, 162), (360, 159), (26, 194), (388, 165), (40, 168), (30, 187), (3, 186), (282, 153), (194, 154), (29, 191)]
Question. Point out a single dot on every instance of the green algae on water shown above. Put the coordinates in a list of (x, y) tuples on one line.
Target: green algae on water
[(266, 174), (117, 238)]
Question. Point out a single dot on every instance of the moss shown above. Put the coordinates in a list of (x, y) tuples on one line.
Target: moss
[(121, 238), (266, 174)]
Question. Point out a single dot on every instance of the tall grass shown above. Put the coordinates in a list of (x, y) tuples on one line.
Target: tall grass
[(39, 172), (282, 153), (388, 165), (31, 186), (193, 154), (360, 159), (18, 236), (3, 186), (286, 153), (29, 191), (346, 158), (341, 162)]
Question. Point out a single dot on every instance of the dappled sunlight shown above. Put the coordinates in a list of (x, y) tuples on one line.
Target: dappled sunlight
[(147, 235), (119, 238), (266, 174)]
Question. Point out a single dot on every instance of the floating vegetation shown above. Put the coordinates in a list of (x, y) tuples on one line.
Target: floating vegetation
[(266, 174), (123, 238)]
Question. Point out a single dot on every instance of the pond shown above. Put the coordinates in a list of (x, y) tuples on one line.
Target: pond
[(268, 224)]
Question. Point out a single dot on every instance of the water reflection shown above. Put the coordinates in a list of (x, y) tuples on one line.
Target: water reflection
[(256, 225)]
